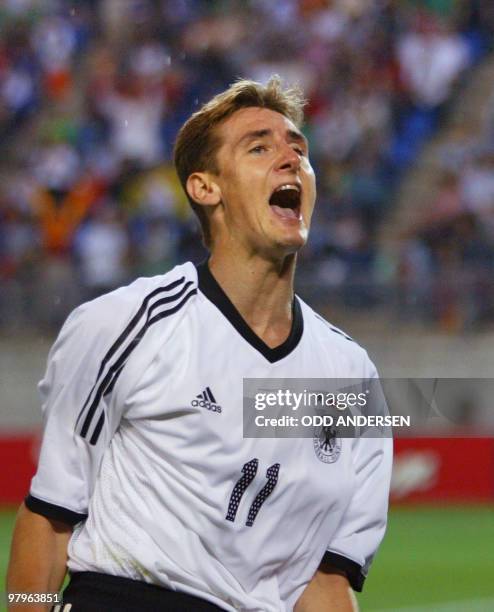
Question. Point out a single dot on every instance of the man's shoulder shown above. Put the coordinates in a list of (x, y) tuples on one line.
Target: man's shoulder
[(146, 288), (323, 326), (334, 336), (144, 300)]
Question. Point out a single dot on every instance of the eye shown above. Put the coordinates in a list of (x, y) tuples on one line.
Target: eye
[(258, 149), (299, 150)]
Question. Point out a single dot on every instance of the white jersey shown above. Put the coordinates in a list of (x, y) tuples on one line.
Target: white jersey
[(143, 449)]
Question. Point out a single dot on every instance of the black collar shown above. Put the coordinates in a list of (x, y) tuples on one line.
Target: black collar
[(212, 290)]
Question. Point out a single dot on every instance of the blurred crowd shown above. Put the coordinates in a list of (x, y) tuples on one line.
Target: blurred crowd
[(447, 261), (92, 94)]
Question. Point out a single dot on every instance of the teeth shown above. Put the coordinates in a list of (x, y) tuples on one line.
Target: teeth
[(285, 187)]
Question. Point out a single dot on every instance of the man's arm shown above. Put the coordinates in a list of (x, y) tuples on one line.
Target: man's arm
[(328, 591), (38, 557)]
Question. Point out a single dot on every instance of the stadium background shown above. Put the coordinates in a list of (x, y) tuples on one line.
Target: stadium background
[(401, 126)]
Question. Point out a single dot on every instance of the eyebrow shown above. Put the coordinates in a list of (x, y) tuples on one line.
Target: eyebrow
[(293, 136)]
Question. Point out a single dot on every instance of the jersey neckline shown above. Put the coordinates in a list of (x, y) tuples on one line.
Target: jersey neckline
[(210, 287)]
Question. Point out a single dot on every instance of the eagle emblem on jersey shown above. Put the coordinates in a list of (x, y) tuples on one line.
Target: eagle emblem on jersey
[(327, 445)]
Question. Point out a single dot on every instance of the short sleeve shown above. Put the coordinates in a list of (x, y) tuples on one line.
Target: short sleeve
[(101, 353), (78, 422), (363, 525)]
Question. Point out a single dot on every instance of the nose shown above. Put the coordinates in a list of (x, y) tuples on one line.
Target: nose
[(289, 158)]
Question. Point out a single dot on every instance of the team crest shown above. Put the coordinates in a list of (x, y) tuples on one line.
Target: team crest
[(326, 445)]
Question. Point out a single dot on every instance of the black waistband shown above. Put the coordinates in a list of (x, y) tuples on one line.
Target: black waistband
[(97, 592)]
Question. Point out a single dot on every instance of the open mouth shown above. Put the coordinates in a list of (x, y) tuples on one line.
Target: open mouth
[(285, 201)]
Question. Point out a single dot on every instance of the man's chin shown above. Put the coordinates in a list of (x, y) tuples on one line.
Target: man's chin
[(290, 244), (296, 239)]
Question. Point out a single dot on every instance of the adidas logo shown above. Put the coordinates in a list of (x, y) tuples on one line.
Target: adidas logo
[(206, 400)]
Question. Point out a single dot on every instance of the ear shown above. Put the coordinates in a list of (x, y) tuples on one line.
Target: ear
[(203, 189)]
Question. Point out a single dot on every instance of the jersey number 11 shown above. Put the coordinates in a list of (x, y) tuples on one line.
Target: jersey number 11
[(249, 471)]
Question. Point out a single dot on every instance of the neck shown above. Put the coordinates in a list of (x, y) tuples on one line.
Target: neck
[(261, 290)]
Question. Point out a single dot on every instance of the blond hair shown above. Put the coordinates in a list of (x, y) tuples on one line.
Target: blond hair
[(198, 142)]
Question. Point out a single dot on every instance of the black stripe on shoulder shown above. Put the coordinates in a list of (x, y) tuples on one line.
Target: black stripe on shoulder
[(115, 370), (334, 329), (103, 386), (126, 332), (98, 428), (135, 319), (351, 569), (176, 308), (52, 511)]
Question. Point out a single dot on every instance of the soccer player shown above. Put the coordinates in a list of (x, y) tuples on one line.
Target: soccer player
[(146, 489)]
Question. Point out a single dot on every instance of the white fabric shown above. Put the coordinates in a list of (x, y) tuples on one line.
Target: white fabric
[(157, 483)]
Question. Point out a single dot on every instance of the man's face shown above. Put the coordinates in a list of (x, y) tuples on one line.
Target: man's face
[(267, 183)]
